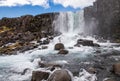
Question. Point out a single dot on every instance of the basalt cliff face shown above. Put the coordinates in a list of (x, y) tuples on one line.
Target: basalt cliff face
[(17, 33), (104, 19)]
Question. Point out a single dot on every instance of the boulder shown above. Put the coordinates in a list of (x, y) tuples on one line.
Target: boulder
[(39, 75), (96, 45), (60, 75), (63, 51), (85, 42), (116, 69), (59, 46)]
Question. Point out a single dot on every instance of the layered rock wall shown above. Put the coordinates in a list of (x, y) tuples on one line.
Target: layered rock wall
[(106, 16)]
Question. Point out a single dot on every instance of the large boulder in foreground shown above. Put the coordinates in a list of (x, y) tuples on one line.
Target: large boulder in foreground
[(59, 46), (116, 69), (85, 42), (60, 75), (63, 51), (39, 75)]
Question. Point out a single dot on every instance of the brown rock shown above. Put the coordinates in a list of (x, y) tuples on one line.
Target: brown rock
[(60, 75), (39, 75), (62, 51), (59, 46), (116, 68), (92, 70)]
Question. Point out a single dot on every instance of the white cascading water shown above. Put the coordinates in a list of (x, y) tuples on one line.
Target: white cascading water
[(71, 26), (70, 22)]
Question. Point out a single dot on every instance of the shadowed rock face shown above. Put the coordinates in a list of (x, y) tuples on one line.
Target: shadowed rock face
[(39, 75), (106, 16)]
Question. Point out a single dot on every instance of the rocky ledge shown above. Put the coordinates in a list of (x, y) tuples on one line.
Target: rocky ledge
[(18, 34)]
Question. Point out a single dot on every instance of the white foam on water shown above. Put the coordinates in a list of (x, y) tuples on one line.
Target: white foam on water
[(85, 76), (61, 62)]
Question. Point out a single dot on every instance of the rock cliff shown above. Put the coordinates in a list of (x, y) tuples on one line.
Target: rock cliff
[(105, 14), (22, 30)]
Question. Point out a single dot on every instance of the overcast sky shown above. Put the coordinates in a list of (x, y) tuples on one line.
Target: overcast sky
[(14, 8)]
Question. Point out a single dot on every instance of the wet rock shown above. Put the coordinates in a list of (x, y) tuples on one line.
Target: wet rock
[(98, 51), (64, 52), (39, 75), (60, 75), (45, 64), (86, 43), (44, 47), (96, 45), (116, 69), (59, 46), (102, 40), (28, 46), (92, 70), (77, 45), (45, 42), (55, 66), (51, 37), (70, 47), (25, 71), (109, 80)]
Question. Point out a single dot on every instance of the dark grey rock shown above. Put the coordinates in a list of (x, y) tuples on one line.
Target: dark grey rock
[(59, 46)]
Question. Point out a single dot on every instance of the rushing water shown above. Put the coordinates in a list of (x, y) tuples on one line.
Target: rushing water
[(71, 25)]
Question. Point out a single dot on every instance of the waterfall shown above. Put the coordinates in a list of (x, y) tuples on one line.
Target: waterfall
[(70, 22)]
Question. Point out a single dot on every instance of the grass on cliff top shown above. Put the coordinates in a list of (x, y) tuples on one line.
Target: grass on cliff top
[(4, 29)]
